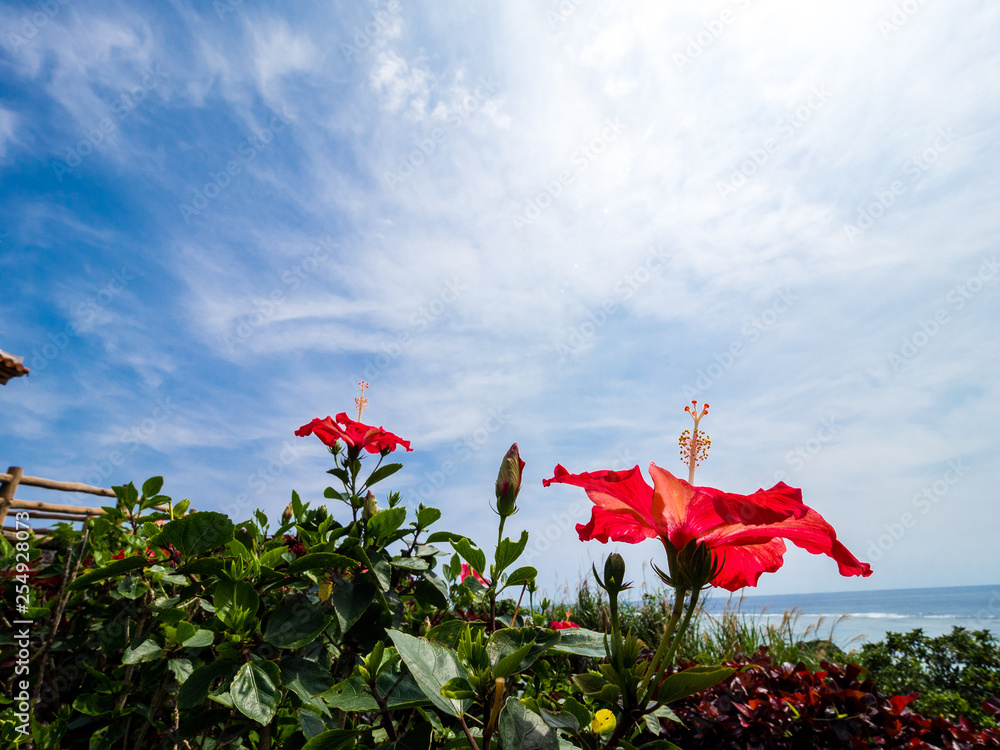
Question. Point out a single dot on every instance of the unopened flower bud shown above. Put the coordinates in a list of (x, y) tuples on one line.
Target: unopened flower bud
[(370, 506), (509, 482), (614, 572)]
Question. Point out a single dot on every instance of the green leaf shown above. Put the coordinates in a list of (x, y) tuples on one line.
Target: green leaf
[(196, 533), (432, 589), (385, 523), (132, 587), (400, 690), (148, 650), (580, 642), (475, 557), (350, 600), (690, 681), (310, 723), (332, 739), (112, 569), (561, 720), (510, 641), (209, 566), (426, 516), (195, 688), (595, 685), (254, 690), (444, 536), (524, 729), (235, 603), (182, 669), (94, 705), (409, 563), (521, 576), (321, 561), (458, 688), (273, 557), (508, 551), (200, 639), (580, 711), (152, 486), (431, 665), (381, 473), (297, 508), (296, 623), (659, 745), (306, 679), (127, 496)]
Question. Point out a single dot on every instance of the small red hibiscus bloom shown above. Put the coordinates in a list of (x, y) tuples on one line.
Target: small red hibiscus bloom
[(354, 434), (562, 625), (468, 570), (744, 533)]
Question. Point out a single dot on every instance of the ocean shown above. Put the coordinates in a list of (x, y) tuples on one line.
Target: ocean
[(855, 618)]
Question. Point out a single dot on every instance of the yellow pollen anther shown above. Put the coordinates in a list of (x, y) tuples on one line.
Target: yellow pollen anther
[(694, 443), (361, 402)]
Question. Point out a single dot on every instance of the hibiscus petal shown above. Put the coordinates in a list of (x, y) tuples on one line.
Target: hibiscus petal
[(615, 526), (744, 565), (622, 500), (762, 507), (811, 532)]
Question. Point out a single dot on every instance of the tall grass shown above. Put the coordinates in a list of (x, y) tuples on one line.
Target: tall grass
[(733, 634)]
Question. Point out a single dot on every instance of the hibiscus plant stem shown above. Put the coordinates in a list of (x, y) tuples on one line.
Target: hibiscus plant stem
[(665, 643)]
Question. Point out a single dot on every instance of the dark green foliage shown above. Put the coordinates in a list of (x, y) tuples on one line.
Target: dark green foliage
[(953, 673)]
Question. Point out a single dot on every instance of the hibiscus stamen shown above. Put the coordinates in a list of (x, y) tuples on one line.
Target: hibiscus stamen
[(361, 402), (694, 443)]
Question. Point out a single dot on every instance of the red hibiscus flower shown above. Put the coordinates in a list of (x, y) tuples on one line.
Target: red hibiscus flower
[(743, 532), (562, 625), (354, 434), (468, 570)]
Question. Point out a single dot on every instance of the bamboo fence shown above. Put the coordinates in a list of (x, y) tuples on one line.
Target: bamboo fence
[(15, 477)]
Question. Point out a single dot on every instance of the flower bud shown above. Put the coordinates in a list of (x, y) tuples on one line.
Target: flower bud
[(509, 482), (370, 506), (604, 722), (614, 572)]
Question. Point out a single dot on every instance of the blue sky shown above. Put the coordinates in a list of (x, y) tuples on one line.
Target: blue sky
[(554, 223)]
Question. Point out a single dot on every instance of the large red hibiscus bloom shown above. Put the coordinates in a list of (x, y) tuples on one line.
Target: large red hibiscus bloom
[(353, 434), (743, 532)]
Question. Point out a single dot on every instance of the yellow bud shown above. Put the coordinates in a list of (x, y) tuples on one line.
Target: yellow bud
[(604, 721), (325, 589)]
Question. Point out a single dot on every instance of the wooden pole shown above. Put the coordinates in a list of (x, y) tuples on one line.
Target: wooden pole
[(9, 484), (52, 484)]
